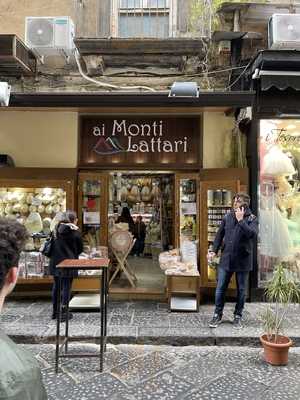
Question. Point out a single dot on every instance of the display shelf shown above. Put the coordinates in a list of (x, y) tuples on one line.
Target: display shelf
[(216, 197)]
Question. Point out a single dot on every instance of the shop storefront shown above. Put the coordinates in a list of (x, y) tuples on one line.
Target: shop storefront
[(166, 165), (277, 148), (279, 196)]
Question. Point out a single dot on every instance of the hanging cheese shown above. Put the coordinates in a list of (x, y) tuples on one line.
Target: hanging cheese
[(8, 209), (123, 193), (16, 208), (49, 209), (29, 198), (34, 223), (145, 193), (58, 217), (24, 208), (41, 209), (46, 225), (155, 192), (135, 191), (56, 208)]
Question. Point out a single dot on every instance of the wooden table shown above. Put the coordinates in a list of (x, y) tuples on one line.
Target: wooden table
[(100, 264)]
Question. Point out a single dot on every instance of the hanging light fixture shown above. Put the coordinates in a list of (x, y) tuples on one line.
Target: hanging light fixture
[(184, 89)]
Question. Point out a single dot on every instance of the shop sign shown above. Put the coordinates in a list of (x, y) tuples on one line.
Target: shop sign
[(127, 141)]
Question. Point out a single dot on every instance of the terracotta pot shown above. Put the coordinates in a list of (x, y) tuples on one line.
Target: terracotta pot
[(276, 353)]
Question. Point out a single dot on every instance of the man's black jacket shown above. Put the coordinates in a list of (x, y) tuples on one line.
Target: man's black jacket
[(236, 241)]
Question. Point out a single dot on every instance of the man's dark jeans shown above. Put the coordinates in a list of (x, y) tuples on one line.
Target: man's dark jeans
[(222, 285)]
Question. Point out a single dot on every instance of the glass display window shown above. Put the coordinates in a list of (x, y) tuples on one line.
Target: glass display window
[(188, 210), (91, 199), (219, 203), (215, 202), (92, 206), (39, 209), (279, 196)]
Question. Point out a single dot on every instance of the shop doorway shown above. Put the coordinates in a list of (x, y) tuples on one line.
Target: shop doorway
[(144, 204)]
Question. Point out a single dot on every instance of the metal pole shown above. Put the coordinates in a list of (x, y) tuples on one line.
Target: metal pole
[(58, 322)]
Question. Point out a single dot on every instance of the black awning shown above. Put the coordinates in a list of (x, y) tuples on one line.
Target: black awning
[(281, 82), (283, 60), (157, 99)]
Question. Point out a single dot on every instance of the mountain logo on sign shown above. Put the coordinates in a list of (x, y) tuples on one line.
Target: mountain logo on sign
[(108, 146)]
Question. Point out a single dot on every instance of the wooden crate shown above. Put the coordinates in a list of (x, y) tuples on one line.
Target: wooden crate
[(183, 285)]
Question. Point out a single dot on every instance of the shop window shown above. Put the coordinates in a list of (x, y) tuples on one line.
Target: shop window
[(144, 18), (39, 209), (279, 197)]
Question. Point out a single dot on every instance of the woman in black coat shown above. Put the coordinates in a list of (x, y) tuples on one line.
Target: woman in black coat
[(126, 217), (67, 244)]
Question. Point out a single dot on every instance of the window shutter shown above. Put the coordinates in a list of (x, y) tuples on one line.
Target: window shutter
[(104, 18), (183, 15)]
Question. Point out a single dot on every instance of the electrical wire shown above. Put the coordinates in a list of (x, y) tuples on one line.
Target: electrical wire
[(107, 85), (239, 77)]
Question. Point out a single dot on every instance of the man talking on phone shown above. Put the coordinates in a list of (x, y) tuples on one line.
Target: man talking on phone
[(235, 238)]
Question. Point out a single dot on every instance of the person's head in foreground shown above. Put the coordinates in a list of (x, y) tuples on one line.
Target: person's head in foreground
[(20, 375), (13, 236)]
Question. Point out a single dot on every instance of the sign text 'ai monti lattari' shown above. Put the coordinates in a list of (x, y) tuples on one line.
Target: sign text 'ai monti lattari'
[(129, 141)]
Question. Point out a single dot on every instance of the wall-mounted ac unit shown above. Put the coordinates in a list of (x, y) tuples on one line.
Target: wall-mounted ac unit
[(284, 31), (50, 35)]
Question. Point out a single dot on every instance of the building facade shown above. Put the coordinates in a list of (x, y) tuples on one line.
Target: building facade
[(73, 125)]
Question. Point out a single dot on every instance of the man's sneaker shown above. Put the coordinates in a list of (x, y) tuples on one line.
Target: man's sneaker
[(215, 321), (237, 322)]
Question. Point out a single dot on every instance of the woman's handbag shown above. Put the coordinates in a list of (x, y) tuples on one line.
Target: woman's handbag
[(46, 247)]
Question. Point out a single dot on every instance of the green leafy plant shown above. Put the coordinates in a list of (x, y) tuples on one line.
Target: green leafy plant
[(282, 290)]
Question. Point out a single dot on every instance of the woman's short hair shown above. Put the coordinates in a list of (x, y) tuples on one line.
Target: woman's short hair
[(70, 216), (13, 236)]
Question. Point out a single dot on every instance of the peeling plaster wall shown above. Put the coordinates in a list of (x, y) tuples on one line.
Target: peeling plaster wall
[(39, 139), (13, 13), (217, 140)]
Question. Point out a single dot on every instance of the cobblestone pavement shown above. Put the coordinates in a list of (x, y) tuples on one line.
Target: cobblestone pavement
[(142, 323), (136, 372)]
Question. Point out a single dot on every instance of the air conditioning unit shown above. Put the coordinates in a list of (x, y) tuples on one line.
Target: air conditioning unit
[(50, 35), (284, 31)]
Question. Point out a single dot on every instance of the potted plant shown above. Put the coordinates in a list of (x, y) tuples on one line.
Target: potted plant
[(282, 290)]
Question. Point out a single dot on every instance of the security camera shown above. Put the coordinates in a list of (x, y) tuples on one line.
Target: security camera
[(4, 93)]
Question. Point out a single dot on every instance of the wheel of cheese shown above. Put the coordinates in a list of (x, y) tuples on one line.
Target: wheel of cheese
[(121, 241)]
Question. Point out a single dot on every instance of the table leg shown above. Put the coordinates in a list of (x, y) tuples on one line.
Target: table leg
[(105, 305), (58, 324), (67, 326), (102, 306)]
